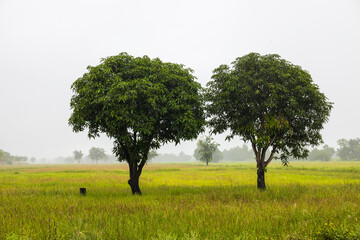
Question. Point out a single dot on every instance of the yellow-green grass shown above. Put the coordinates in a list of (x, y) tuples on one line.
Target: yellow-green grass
[(181, 201)]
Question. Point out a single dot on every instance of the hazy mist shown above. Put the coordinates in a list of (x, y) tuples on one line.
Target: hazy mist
[(46, 45)]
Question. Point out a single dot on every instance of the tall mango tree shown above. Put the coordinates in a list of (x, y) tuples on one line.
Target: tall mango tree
[(140, 103), (270, 103)]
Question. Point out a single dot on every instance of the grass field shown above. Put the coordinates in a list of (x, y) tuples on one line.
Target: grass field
[(181, 201)]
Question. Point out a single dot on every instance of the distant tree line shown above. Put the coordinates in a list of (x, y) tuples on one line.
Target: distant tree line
[(171, 158), (7, 158), (324, 154), (96, 154), (233, 154), (349, 150)]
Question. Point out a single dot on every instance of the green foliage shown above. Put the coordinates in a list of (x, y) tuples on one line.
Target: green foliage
[(324, 154), (205, 150), (139, 102), (349, 149), (97, 154), (269, 102)]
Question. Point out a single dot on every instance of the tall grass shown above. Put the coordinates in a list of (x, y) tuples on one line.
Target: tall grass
[(303, 201)]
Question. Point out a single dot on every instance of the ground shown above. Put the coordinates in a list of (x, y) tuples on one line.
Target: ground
[(181, 201)]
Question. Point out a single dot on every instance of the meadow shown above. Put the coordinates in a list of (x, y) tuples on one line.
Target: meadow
[(181, 201)]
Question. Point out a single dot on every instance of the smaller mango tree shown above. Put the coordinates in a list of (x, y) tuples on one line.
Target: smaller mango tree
[(269, 102)]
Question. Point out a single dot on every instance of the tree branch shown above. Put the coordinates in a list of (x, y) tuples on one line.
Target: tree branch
[(271, 156), (254, 148), (146, 153), (263, 153)]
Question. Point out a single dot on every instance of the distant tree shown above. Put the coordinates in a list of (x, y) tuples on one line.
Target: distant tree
[(32, 159), (78, 155), (238, 153), (349, 149), (205, 149), (324, 154), (141, 103), (97, 154), (270, 103)]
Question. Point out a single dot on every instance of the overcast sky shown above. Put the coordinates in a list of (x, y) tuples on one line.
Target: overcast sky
[(46, 45)]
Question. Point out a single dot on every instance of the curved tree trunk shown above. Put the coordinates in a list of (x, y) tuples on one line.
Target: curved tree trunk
[(135, 172), (261, 179), (136, 158), (134, 184), (260, 154)]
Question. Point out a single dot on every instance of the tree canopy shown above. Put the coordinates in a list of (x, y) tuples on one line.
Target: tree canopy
[(96, 154), (78, 155), (205, 150), (139, 102), (270, 103)]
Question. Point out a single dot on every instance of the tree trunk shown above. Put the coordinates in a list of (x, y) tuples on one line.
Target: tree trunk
[(134, 184), (135, 172), (261, 179), (207, 162)]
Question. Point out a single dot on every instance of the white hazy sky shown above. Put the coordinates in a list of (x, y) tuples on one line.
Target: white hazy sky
[(46, 45)]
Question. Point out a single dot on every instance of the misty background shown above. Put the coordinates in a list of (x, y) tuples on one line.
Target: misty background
[(46, 45)]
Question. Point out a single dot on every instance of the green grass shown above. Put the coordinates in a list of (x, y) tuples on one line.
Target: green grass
[(181, 201)]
